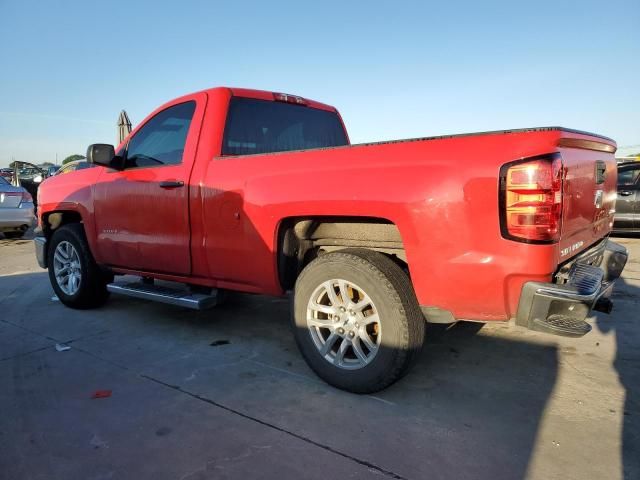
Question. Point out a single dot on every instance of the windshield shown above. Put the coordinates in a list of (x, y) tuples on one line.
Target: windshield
[(261, 126)]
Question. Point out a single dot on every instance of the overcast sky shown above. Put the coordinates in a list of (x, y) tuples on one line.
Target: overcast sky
[(394, 69)]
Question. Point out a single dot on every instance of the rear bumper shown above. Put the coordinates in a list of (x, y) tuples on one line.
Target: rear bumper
[(40, 244), (562, 308), (14, 218)]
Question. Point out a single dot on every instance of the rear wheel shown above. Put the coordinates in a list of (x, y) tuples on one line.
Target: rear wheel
[(74, 274), (356, 320)]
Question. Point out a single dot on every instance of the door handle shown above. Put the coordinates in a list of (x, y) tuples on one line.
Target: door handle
[(625, 193), (172, 184)]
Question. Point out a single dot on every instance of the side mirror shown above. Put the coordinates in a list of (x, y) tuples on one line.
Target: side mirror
[(105, 155)]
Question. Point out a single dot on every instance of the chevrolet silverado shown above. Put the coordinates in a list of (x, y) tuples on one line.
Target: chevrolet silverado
[(261, 192)]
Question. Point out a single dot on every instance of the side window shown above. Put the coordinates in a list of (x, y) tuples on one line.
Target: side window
[(161, 140), (628, 177)]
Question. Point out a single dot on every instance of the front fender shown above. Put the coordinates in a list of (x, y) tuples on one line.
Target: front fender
[(70, 194)]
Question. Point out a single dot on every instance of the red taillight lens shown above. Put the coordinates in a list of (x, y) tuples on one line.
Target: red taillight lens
[(26, 197), (531, 200)]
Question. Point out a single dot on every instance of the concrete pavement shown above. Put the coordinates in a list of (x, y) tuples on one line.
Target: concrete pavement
[(225, 394)]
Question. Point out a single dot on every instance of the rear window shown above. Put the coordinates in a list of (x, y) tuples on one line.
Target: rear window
[(260, 126), (3, 181)]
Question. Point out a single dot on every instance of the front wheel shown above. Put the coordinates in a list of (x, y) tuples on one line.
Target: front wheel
[(74, 274), (356, 320)]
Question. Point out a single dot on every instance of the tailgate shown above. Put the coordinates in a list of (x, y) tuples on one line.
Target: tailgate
[(589, 191)]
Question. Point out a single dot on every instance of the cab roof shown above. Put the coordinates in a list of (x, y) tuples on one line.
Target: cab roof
[(270, 96)]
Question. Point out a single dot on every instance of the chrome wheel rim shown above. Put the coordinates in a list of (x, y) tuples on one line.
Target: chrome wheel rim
[(66, 268), (344, 324)]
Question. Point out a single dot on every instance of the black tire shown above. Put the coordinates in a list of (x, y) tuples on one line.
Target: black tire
[(401, 321), (92, 291), (14, 235)]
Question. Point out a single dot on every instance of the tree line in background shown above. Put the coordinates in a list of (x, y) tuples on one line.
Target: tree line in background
[(70, 158)]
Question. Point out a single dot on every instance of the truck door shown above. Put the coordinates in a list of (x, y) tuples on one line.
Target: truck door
[(142, 212), (628, 202)]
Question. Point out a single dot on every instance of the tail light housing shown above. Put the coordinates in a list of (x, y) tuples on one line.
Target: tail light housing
[(531, 199), (26, 197)]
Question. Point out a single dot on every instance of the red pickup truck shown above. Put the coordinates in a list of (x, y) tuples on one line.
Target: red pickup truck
[(261, 192)]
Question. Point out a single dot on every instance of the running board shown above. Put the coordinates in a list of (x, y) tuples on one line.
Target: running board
[(172, 296)]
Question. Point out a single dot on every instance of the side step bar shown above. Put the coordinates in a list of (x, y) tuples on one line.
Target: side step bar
[(172, 296)]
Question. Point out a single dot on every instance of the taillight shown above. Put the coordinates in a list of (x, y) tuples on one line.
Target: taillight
[(26, 197), (531, 199)]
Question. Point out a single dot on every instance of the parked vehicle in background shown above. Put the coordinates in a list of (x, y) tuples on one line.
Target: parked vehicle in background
[(51, 170), (6, 173), (261, 192), (31, 172), (16, 210), (627, 216), (73, 166), (30, 177)]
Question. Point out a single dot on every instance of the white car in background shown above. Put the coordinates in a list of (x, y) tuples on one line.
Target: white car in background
[(16, 210)]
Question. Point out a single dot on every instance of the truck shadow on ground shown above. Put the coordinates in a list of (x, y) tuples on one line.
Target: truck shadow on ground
[(627, 364), (470, 408)]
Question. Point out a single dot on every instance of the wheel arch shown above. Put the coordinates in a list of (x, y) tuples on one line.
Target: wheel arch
[(55, 219), (51, 221), (300, 239)]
